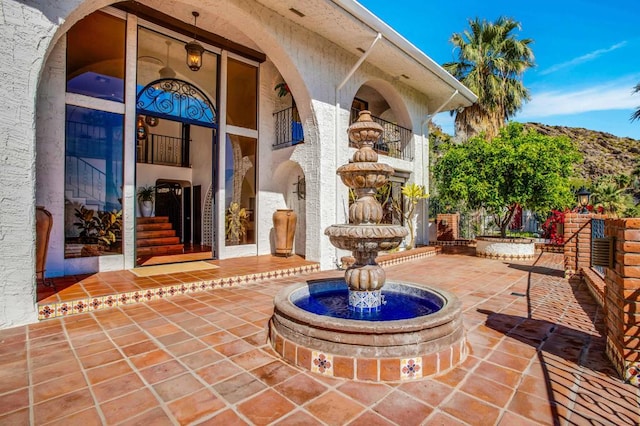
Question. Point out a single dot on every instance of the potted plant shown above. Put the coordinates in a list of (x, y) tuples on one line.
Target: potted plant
[(236, 221), (146, 195)]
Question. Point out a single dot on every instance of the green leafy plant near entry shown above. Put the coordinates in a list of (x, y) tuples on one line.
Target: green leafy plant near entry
[(146, 193), (236, 221), (518, 167), (98, 227)]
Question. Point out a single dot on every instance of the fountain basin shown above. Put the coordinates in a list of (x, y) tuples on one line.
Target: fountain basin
[(505, 248), (365, 349), (365, 237)]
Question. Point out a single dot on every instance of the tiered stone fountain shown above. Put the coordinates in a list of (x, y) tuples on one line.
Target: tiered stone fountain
[(363, 236), (349, 328)]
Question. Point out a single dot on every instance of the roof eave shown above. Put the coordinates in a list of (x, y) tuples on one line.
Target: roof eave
[(376, 24)]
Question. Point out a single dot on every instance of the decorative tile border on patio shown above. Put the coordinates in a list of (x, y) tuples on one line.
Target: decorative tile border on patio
[(370, 369), (63, 309)]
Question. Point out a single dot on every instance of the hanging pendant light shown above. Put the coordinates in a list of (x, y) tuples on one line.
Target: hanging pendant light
[(193, 48), (167, 71)]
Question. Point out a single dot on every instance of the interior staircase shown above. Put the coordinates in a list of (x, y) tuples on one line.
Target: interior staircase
[(155, 236)]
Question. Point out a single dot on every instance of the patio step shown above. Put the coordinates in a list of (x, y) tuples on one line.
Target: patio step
[(160, 250), (161, 241), (156, 226), (153, 219), (155, 236)]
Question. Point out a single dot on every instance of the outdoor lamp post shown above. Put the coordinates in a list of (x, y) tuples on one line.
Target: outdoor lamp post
[(193, 48), (583, 199)]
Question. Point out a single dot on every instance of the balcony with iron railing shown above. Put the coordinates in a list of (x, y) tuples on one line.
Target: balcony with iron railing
[(396, 141), (164, 150), (288, 128)]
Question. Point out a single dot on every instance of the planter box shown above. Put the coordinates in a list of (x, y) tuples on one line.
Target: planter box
[(505, 248)]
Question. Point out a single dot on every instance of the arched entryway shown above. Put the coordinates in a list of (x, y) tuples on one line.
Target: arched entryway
[(176, 152)]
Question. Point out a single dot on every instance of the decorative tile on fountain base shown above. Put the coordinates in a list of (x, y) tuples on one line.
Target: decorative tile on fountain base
[(399, 369), (365, 301)]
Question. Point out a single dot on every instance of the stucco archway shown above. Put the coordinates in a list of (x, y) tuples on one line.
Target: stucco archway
[(289, 181), (399, 111)]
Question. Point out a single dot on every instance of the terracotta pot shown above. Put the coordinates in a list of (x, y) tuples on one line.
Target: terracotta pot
[(284, 223)]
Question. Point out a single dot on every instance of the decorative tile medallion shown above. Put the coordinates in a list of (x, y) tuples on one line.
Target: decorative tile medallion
[(63, 309), (45, 312), (322, 363), (95, 303), (80, 306), (411, 368)]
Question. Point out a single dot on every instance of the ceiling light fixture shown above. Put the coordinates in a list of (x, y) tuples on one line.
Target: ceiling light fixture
[(193, 48), (167, 71)]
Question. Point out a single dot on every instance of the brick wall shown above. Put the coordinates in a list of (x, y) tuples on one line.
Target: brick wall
[(447, 226), (622, 299)]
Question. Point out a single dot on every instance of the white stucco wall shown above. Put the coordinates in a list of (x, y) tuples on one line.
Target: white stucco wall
[(24, 38), (312, 67)]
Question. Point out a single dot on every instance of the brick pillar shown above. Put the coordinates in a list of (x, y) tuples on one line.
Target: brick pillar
[(447, 226), (622, 299), (577, 242)]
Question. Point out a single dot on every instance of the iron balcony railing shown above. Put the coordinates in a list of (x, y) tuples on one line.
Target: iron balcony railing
[(396, 141), (288, 128), (164, 150)]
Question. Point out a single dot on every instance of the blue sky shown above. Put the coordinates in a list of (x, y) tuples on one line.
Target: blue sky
[(587, 53)]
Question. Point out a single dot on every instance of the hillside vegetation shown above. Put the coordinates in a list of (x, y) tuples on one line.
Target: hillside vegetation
[(603, 153)]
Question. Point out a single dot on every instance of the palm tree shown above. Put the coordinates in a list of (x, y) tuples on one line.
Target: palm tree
[(491, 61), (636, 114), (613, 199)]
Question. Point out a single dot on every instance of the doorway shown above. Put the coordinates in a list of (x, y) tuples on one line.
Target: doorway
[(176, 154)]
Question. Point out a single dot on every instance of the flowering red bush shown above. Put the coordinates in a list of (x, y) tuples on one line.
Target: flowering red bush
[(553, 227)]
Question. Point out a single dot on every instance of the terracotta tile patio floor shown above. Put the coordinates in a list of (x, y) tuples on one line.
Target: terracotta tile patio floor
[(536, 357)]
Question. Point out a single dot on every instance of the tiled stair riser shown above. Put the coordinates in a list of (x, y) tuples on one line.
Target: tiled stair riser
[(62, 309)]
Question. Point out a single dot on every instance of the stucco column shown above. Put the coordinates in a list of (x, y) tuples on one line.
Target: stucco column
[(324, 200), (25, 34)]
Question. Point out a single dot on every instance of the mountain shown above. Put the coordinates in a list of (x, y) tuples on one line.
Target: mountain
[(603, 153)]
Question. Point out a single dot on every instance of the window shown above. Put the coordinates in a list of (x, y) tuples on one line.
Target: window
[(242, 94), (93, 182), (240, 189), (95, 57), (94, 136)]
